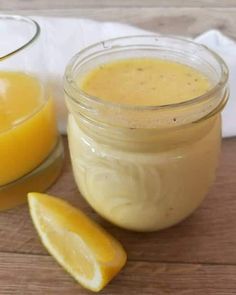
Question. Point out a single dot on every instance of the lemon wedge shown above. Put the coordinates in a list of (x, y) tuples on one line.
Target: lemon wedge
[(82, 247)]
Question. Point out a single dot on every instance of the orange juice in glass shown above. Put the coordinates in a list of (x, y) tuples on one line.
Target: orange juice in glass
[(31, 152)]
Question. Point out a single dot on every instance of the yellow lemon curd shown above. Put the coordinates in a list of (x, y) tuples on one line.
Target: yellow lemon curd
[(28, 134), (145, 81), (138, 183)]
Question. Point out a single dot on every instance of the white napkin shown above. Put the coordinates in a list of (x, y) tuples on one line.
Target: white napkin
[(66, 36), (226, 48)]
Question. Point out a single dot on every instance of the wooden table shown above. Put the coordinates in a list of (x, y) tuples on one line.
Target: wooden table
[(196, 257)]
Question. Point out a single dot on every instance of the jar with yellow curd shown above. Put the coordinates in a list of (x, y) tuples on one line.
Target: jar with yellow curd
[(144, 127)]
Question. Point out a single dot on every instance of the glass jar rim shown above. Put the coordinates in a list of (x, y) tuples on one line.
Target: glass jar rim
[(68, 77), (30, 40)]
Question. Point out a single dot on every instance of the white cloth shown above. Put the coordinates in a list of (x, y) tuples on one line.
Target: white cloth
[(66, 36), (226, 48)]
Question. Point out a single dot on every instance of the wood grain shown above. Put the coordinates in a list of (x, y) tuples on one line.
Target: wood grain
[(208, 236), (197, 256), (61, 4), (40, 275), (189, 21)]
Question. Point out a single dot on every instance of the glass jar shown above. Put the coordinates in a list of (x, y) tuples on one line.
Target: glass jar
[(31, 152), (145, 168)]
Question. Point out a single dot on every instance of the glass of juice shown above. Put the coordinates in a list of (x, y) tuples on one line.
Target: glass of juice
[(144, 127), (31, 152)]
